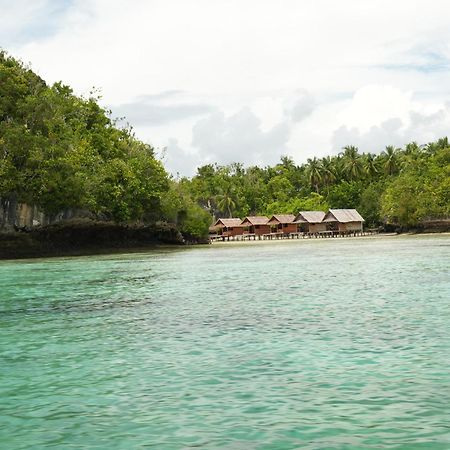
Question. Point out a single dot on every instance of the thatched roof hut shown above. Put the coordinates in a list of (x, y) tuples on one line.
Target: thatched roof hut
[(255, 220), (256, 224), (344, 219), (229, 227), (281, 218), (283, 223), (232, 222), (343, 216), (311, 221)]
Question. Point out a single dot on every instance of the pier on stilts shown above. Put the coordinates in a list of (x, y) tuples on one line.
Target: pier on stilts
[(285, 236), (336, 223)]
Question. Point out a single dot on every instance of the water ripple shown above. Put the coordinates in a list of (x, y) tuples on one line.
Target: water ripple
[(311, 345)]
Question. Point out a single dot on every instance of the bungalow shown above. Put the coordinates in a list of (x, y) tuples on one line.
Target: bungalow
[(283, 223), (229, 227), (310, 221), (257, 225), (344, 220)]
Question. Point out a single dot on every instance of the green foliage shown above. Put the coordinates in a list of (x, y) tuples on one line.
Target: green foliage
[(346, 194), (196, 222), (280, 189), (370, 203), (352, 163), (178, 207), (421, 191), (60, 151), (402, 186), (312, 202)]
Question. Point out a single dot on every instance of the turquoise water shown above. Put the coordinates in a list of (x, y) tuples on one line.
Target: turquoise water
[(318, 344)]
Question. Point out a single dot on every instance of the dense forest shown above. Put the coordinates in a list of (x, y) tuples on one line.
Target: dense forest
[(397, 186), (61, 151)]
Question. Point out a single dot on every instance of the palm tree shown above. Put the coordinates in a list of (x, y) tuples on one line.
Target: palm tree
[(442, 143), (352, 162), (410, 155), (412, 148), (314, 173), (391, 162), (225, 201), (370, 166), (328, 171), (338, 167)]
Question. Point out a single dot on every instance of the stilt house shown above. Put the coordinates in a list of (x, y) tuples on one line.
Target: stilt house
[(283, 223), (310, 221), (344, 220), (257, 225), (229, 227)]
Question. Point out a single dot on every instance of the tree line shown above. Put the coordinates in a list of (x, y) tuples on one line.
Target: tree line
[(61, 151), (401, 186)]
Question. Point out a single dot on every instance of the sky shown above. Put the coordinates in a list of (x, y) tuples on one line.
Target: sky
[(247, 81)]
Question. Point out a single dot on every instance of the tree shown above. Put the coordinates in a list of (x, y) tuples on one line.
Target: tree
[(391, 163), (178, 207), (421, 191), (351, 161), (345, 195), (328, 172), (225, 201), (59, 152), (314, 173), (280, 188), (370, 166)]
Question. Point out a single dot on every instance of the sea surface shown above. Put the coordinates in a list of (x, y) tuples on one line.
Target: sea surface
[(308, 344)]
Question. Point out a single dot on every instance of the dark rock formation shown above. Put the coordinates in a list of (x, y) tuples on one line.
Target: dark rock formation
[(78, 237)]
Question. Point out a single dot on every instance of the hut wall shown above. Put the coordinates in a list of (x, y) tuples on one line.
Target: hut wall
[(233, 231), (284, 228), (303, 227), (262, 229), (289, 228), (316, 227), (350, 226), (332, 226)]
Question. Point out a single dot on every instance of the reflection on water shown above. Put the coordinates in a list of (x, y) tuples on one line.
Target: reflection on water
[(278, 345)]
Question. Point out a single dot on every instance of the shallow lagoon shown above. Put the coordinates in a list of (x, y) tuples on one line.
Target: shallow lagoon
[(312, 344)]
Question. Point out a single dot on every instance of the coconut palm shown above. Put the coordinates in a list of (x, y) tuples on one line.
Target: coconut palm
[(314, 173), (410, 155), (225, 201), (351, 160), (391, 160), (443, 143), (328, 171), (440, 144), (370, 166), (338, 167)]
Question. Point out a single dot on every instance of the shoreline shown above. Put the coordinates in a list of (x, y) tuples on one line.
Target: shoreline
[(342, 238), (86, 238), (104, 250)]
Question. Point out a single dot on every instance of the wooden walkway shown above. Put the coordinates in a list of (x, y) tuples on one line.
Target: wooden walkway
[(298, 235)]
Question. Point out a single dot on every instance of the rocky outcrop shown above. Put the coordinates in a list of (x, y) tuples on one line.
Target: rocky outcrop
[(77, 237), (15, 215)]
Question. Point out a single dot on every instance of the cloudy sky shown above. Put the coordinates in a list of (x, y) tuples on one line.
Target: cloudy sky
[(248, 80)]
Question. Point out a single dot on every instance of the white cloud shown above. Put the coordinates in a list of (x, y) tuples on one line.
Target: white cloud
[(158, 109), (179, 161), (300, 105), (239, 138), (419, 127), (372, 104), (300, 70)]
